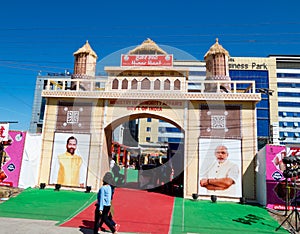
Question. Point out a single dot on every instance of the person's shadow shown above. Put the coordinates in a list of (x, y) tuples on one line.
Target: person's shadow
[(87, 227), (86, 231)]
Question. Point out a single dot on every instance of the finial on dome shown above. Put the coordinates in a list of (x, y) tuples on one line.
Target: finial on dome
[(86, 49), (216, 49)]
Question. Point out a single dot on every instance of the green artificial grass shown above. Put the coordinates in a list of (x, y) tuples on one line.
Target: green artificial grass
[(189, 216), (202, 216), (46, 204)]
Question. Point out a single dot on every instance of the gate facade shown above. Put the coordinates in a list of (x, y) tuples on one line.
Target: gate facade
[(147, 85)]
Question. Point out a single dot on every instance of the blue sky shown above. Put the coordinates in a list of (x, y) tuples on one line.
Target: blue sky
[(43, 35)]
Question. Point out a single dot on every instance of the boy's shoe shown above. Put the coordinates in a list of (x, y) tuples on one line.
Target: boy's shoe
[(117, 227)]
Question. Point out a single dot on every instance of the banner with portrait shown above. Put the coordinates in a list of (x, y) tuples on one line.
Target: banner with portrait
[(69, 163), (220, 167)]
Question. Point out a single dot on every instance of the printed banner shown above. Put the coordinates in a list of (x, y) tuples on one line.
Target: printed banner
[(10, 171), (281, 190), (220, 165), (70, 159)]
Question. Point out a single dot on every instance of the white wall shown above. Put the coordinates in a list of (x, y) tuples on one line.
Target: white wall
[(261, 186), (31, 161)]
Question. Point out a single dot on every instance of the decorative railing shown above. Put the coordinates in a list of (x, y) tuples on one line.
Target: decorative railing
[(96, 85)]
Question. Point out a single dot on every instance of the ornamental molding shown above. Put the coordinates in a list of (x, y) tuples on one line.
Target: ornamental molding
[(152, 95)]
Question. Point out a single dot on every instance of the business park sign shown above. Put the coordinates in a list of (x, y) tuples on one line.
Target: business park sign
[(251, 63)]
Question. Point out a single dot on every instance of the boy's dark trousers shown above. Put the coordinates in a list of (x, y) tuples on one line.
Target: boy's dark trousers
[(97, 218)]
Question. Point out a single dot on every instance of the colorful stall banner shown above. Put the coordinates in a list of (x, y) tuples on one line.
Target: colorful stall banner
[(13, 159), (281, 190)]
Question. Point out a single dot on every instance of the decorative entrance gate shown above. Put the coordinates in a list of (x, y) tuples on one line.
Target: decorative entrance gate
[(218, 112)]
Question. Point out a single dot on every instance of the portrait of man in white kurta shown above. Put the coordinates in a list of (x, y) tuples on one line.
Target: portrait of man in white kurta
[(220, 167)]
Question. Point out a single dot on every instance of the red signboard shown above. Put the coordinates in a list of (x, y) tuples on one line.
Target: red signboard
[(146, 60)]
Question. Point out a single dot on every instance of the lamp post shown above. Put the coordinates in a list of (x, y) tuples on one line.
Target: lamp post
[(268, 92)]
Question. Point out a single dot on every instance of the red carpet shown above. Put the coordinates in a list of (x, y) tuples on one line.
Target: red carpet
[(135, 210)]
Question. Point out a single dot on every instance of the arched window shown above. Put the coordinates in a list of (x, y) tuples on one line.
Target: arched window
[(134, 84), (177, 84), (157, 84), (167, 84), (115, 84), (125, 84), (145, 84)]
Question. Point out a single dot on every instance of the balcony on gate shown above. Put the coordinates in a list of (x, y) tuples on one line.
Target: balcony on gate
[(101, 87)]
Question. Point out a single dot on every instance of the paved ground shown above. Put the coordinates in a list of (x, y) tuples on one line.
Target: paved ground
[(30, 226)]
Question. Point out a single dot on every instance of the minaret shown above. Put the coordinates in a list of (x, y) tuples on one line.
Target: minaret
[(217, 68), (85, 64)]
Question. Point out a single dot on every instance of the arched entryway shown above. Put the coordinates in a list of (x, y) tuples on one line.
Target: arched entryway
[(156, 166)]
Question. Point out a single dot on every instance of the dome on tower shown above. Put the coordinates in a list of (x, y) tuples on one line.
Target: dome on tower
[(86, 49), (216, 49)]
